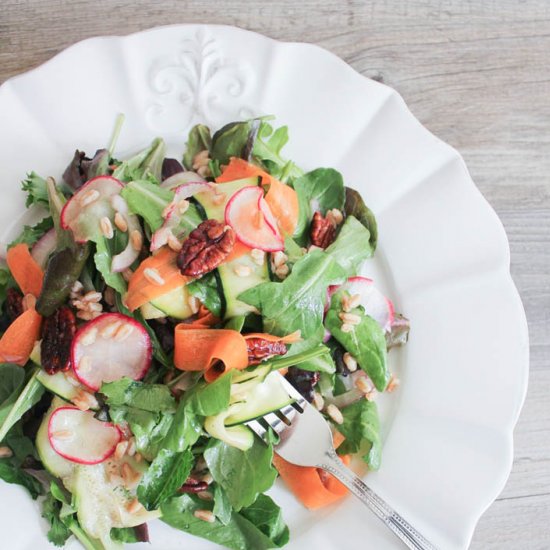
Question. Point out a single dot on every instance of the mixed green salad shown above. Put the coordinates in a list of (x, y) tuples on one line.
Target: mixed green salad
[(146, 318)]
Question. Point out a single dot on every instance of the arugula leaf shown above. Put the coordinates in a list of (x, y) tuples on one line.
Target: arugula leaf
[(352, 246), (103, 258), (319, 190), (267, 517), (147, 397), (243, 475), (297, 303), (36, 190), (12, 379), (207, 291), (31, 233), (164, 477), (239, 534), (147, 163), (366, 342), (58, 532), (199, 140), (29, 396), (356, 207), (361, 424)]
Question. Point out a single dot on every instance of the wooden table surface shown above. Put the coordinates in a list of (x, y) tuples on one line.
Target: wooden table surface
[(476, 73)]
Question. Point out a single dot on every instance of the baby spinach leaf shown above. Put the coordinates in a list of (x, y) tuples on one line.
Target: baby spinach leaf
[(29, 396), (356, 207), (297, 303), (361, 424), (319, 190), (222, 507), (199, 140), (146, 164), (243, 475), (352, 246), (207, 291), (164, 477), (366, 342), (147, 397), (230, 141), (267, 517), (239, 534)]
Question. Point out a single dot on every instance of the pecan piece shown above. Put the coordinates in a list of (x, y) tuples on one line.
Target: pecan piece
[(57, 336), (323, 231), (205, 249), (260, 349), (193, 485), (14, 303)]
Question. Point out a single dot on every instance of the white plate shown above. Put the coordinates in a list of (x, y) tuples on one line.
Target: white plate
[(443, 254)]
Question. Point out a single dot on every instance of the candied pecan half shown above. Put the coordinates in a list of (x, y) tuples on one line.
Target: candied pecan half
[(193, 485), (14, 303), (57, 335), (259, 349), (322, 231), (206, 248)]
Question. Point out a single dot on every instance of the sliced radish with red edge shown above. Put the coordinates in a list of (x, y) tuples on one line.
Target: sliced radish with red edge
[(44, 247), (110, 347), (181, 178), (79, 437), (253, 222), (376, 305), (92, 202), (173, 215)]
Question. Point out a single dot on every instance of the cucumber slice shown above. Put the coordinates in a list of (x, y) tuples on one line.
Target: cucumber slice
[(151, 312), (174, 303), (233, 284)]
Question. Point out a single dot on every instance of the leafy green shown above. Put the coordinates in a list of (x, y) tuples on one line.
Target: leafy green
[(319, 190), (11, 472), (243, 475), (207, 291), (31, 233), (29, 396), (239, 534), (6, 281), (35, 187), (164, 477), (12, 379), (361, 424), (146, 164), (147, 397), (235, 323), (297, 303), (352, 246), (147, 200), (356, 207), (124, 534), (56, 202), (230, 141), (199, 140), (103, 259), (51, 510), (366, 342), (222, 507), (267, 517)]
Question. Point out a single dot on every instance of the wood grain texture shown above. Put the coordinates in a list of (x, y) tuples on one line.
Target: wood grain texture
[(475, 72)]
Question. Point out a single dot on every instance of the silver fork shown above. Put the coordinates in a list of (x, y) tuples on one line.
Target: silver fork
[(305, 439)]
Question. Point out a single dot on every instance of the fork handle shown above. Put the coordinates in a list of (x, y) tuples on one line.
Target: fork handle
[(398, 525)]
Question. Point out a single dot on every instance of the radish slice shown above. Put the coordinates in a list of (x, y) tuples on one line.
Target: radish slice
[(92, 202), (251, 219), (180, 178), (376, 305), (129, 255), (110, 347), (172, 214), (79, 437), (44, 247)]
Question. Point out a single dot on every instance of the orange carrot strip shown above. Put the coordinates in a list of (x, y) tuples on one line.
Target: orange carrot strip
[(312, 486), (281, 198), (17, 342), (142, 290), (27, 273), (239, 249), (204, 319), (207, 349)]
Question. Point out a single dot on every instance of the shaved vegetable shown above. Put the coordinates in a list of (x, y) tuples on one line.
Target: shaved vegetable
[(213, 351), (18, 341), (25, 270)]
